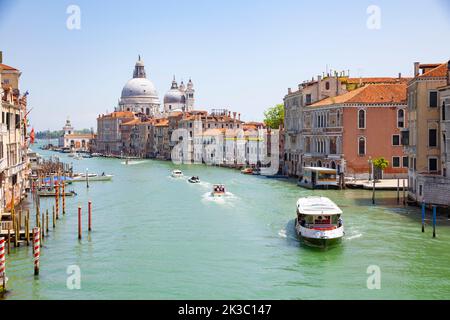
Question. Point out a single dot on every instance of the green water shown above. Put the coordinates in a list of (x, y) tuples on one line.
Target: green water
[(155, 237)]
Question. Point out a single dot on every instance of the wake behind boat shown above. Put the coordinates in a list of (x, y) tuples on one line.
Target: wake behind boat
[(194, 180), (177, 174), (319, 221)]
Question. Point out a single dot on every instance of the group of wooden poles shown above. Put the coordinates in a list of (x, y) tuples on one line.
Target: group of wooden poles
[(39, 231)]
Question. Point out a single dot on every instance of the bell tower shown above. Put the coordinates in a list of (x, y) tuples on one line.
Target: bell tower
[(190, 96)]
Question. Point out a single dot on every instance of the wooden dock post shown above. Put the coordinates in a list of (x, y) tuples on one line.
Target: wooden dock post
[(64, 197), (434, 221), (423, 216), (79, 222), (15, 227), (41, 229), (3, 264), (27, 230), (89, 216), (46, 221), (36, 250), (54, 218), (404, 192), (398, 190), (9, 240), (373, 192), (57, 200)]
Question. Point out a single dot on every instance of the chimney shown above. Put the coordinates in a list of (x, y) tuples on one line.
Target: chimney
[(1, 56), (416, 68), (239, 117), (399, 75), (448, 72), (234, 115), (319, 89), (289, 90)]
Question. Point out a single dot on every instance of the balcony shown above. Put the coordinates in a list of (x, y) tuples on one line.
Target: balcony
[(3, 129)]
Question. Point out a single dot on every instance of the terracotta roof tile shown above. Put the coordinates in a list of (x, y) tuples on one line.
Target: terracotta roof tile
[(439, 71), (369, 94), (5, 67)]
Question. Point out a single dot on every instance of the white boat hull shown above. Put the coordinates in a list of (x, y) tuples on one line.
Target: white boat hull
[(99, 178), (322, 238)]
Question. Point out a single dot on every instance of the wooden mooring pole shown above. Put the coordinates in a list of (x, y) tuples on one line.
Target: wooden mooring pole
[(434, 221), (373, 192), (398, 190), (3, 264), (36, 250), (423, 216), (79, 222), (54, 217), (89, 215), (63, 197), (404, 192)]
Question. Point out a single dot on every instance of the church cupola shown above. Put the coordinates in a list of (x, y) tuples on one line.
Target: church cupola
[(139, 69)]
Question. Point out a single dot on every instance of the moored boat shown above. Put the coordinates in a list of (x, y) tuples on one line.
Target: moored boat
[(81, 177), (319, 221), (50, 192), (218, 190)]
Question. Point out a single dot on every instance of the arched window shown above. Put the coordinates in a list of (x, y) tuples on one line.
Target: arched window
[(333, 165), (361, 119), (327, 85), (319, 163), (361, 146), (401, 118)]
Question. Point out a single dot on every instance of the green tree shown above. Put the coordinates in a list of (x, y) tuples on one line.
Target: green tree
[(380, 163), (274, 116)]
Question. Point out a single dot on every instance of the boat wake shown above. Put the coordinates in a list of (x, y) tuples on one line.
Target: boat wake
[(282, 233), (355, 236), (131, 163), (207, 197)]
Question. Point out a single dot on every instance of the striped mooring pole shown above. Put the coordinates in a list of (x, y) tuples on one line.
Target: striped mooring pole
[(36, 249), (2, 264)]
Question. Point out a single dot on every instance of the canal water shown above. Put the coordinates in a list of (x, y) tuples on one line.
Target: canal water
[(155, 237)]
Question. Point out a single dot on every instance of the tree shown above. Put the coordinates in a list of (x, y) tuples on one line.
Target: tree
[(274, 116), (380, 163)]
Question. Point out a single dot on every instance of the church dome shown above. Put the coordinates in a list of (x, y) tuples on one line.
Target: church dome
[(174, 95), (139, 87)]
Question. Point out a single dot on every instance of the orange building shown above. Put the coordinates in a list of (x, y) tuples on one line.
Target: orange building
[(348, 131)]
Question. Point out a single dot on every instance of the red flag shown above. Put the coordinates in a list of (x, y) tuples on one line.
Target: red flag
[(32, 136)]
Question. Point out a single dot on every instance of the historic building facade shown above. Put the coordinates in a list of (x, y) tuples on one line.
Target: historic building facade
[(75, 141), (344, 132), (14, 170), (426, 139)]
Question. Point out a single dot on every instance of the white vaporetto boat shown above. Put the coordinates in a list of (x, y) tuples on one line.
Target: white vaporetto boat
[(81, 177), (319, 221)]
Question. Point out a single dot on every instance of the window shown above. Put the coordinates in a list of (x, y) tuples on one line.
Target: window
[(327, 85), (361, 146), (401, 118), (395, 162), (396, 140), (443, 111), (432, 164), (432, 137), (308, 99), (405, 163), (432, 99), (361, 119)]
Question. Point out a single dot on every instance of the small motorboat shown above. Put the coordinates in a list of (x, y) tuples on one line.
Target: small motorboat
[(247, 171), (87, 156), (194, 179), (177, 174), (319, 222), (218, 190)]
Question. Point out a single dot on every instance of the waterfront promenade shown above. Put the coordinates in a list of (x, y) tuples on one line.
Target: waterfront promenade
[(155, 237)]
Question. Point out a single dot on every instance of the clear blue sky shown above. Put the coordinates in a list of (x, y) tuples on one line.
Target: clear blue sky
[(240, 54)]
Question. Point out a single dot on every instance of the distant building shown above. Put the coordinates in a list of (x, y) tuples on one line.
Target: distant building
[(109, 135), (74, 141), (179, 98), (426, 139)]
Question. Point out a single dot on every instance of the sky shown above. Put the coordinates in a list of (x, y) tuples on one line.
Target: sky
[(241, 54)]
